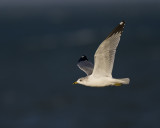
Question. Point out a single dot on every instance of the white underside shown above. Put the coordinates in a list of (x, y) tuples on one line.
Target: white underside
[(104, 81)]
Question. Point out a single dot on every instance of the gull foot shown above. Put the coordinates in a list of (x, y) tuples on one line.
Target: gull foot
[(117, 84)]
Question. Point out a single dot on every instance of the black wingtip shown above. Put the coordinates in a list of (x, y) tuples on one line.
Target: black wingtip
[(118, 29), (122, 22), (83, 58)]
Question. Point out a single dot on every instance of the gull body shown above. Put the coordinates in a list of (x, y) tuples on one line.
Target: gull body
[(93, 81), (100, 74)]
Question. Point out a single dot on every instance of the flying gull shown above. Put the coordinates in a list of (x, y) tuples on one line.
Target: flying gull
[(100, 74)]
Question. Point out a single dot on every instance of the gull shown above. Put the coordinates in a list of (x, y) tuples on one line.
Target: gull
[(100, 74)]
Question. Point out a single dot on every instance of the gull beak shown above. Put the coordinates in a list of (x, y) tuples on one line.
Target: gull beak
[(75, 82)]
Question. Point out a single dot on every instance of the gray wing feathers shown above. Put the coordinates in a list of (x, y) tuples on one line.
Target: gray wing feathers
[(86, 66), (105, 54)]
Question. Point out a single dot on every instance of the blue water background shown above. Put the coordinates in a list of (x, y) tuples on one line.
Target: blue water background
[(39, 49)]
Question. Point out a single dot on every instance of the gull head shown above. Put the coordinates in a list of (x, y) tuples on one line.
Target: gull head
[(82, 80)]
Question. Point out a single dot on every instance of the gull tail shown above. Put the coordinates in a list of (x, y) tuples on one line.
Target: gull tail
[(125, 80)]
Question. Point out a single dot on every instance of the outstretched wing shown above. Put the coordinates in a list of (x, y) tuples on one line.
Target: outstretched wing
[(85, 65), (105, 54)]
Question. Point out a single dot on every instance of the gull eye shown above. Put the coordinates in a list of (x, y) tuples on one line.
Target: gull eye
[(80, 80)]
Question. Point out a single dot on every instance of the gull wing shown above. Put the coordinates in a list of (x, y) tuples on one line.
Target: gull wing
[(105, 54), (85, 65)]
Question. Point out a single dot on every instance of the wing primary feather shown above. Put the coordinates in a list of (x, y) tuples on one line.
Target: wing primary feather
[(83, 58), (118, 29), (85, 65)]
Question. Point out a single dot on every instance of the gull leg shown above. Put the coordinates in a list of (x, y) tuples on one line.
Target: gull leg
[(118, 84)]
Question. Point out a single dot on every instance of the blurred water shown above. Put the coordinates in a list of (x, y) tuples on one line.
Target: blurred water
[(39, 49)]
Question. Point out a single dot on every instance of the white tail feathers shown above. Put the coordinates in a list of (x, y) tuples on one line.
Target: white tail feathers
[(125, 80)]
